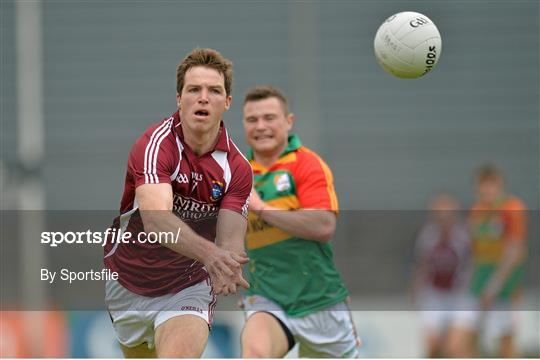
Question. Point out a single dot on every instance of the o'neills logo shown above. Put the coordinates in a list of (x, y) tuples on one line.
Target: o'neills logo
[(191, 209)]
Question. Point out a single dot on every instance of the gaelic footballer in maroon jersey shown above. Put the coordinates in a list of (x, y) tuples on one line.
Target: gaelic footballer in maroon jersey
[(441, 275), (201, 187), (184, 176)]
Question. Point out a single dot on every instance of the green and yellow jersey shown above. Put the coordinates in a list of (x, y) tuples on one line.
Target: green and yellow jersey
[(492, 228), (298, 274)]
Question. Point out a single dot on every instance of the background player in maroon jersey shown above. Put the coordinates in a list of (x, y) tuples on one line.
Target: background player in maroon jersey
[(184, 172), (443, 260)]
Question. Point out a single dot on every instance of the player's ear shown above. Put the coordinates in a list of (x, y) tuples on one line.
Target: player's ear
[(228, 102), (290, 121), (178, 100)]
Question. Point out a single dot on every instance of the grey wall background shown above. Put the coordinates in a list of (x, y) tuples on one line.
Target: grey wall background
[(109, 72)]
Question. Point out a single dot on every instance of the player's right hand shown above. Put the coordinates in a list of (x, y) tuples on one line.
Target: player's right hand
[(225, 270)]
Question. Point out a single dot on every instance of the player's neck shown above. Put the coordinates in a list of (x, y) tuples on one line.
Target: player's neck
[(267, 159), (201, 142), (495, 201)]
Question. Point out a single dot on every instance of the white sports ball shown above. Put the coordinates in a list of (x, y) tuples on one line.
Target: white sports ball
[(408, 45)]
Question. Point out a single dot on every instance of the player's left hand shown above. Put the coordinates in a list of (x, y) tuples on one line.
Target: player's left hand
[(232, 288), (229, 290), (225, 269)]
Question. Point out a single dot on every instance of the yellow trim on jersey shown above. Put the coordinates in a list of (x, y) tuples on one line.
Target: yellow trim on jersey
[(261, 234), (329, 186), (257, 167), (289, 158), (487, 250)]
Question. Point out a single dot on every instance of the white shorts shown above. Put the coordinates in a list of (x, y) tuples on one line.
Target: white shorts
[(499, 321), (441, 310), (136, 317), (325, 333)]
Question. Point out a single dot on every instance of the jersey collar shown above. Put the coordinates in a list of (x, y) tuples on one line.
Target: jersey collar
[(223, 138), (293, 144)]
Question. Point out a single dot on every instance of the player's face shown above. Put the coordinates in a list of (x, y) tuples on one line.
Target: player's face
[(489, 191), (445, 210), (203, 99), (267, 126)]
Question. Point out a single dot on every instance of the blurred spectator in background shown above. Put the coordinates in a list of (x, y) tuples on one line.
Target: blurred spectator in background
[(442, 253), (498, 229)]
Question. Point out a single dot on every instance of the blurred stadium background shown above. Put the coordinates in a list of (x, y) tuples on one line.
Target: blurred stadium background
[(81, 80)]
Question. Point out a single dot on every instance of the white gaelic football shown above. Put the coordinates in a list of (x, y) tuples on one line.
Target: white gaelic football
[(408, 45)]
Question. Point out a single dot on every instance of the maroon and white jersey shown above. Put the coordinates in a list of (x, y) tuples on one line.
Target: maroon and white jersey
[(445, 254), (202, 185)]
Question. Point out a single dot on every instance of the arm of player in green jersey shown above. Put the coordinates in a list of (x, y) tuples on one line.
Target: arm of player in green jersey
[(512, 255), (310, 224)]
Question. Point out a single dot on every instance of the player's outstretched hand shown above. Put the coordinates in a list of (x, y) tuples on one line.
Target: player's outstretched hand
[(232, 287), (225, 270)]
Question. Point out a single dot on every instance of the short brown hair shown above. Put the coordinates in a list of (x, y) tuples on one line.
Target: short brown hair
[(488, 172), (208, 58), (265, 92)]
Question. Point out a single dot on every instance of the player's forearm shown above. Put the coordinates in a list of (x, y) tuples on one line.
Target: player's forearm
[(189, 243), (311, 224), (234, 243), (231, 231)]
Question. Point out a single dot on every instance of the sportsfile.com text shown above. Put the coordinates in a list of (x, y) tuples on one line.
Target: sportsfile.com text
[(55, 238)]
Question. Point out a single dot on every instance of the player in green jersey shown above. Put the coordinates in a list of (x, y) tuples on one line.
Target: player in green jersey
[(296, 293)]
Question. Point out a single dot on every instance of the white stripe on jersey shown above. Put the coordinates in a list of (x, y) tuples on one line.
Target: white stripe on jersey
[(124, 222), (242, 155), (180, 149), (246, 204), (221, 159), (154, 152), (228, 140), (148, 179)]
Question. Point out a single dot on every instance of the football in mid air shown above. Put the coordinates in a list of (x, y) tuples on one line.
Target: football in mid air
[(408, 45)]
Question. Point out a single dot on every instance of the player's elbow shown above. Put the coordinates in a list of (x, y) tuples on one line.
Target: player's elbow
[(325, 236), (326, 229), (148, 222), (151, 220)]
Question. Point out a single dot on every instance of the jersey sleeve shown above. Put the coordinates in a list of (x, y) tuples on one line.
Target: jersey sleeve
[(515, 221), (237, 195), (315, 183), (152, 158)]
